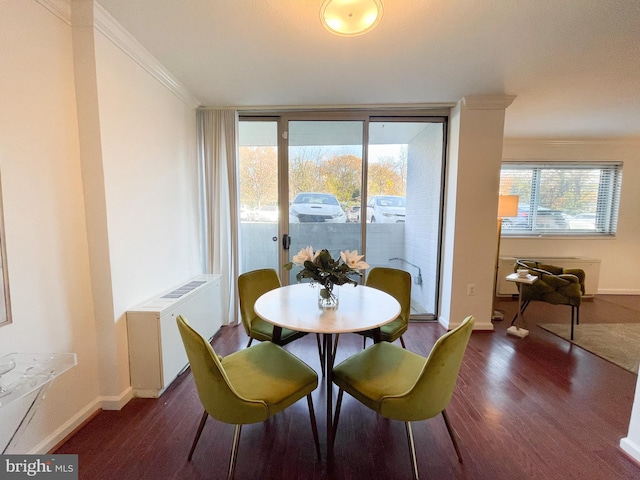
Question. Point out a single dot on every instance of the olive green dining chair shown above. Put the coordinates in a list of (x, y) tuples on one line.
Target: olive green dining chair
[(396, 283), (252, 285), (401, 385), (248, 386)]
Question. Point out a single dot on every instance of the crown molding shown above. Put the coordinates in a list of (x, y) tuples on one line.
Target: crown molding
[(116, 34), (60, 8), (110, 28), (488, 102)]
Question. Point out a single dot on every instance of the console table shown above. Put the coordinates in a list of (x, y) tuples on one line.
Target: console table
[(32, 376)]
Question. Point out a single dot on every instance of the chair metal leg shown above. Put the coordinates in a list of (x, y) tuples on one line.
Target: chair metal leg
[(452, 435), (336, 415), (234, 451), (321, 353), (314, 426), (198, 433), (412, 450), (573, 317), (335, 349), (402, 342), (250, 340)]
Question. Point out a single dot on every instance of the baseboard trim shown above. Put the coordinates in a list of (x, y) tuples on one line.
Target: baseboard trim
[(477, 326), (116, 403), (631, 448), (79, 419), (618, 291), (484, 326), (66, 429)]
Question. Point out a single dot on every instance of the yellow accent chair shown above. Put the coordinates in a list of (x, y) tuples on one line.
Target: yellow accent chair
[(248, 386), (555, 285), (252, 285), (401, 385)]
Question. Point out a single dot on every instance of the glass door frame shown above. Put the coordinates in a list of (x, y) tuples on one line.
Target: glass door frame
[(283, 169), (366, 116)]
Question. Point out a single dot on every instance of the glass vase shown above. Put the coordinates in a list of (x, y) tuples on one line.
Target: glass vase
[(328, 299)]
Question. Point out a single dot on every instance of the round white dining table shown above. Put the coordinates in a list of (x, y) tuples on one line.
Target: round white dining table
[(295, 307)]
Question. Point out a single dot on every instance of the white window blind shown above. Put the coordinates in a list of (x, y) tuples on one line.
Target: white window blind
[(562, 198)]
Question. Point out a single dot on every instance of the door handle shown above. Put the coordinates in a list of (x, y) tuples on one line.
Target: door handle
[(286, 241)]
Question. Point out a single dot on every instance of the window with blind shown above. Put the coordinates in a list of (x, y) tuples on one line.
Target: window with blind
[(562, 198)]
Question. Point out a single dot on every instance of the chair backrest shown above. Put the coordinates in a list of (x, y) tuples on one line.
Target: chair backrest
[(251, 286), (396, 283), (556, 285), (433, 390), (215, 391)]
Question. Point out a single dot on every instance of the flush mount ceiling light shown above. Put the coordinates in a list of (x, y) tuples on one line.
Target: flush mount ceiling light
[(349, 18)]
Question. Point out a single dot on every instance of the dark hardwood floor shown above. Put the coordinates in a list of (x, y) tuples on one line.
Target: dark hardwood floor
[(534, 408)]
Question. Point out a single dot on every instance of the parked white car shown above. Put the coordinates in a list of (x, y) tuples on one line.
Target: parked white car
[(386, 209), (316, 207)]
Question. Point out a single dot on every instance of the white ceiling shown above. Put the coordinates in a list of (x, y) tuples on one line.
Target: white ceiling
[(574, 65)]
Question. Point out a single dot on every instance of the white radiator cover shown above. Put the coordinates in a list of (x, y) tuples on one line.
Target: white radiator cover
[(591, 267), (156, 353)]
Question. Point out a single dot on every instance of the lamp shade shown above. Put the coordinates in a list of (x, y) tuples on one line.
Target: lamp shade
[(508, 206), (349, 18)]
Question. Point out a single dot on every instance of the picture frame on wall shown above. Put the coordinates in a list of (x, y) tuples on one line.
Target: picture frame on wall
[(5, 299)]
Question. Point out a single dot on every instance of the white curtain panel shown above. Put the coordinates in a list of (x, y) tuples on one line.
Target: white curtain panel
[(218, 153)]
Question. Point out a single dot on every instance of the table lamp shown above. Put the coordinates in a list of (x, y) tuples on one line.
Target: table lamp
[(507, 207)]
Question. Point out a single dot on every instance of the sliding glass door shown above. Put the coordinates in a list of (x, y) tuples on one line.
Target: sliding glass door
[(366, 183), (324, 182), (403, 208), (258, 190)]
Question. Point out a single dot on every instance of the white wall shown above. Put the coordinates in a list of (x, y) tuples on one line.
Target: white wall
[(422, 229), (619, 272), (151, 188), (44, 213), (99, 215), (151, 180)]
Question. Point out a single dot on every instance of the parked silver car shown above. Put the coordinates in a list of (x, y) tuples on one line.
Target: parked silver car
[(545, 219), (316, 207), (386, 209)]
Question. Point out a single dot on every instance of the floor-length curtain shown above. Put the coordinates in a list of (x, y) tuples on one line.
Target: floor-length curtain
[(218, 147)]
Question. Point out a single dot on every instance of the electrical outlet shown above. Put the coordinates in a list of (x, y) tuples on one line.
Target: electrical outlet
[(471, 289)]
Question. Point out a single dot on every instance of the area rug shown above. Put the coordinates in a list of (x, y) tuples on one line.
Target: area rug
[(618, 343)]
